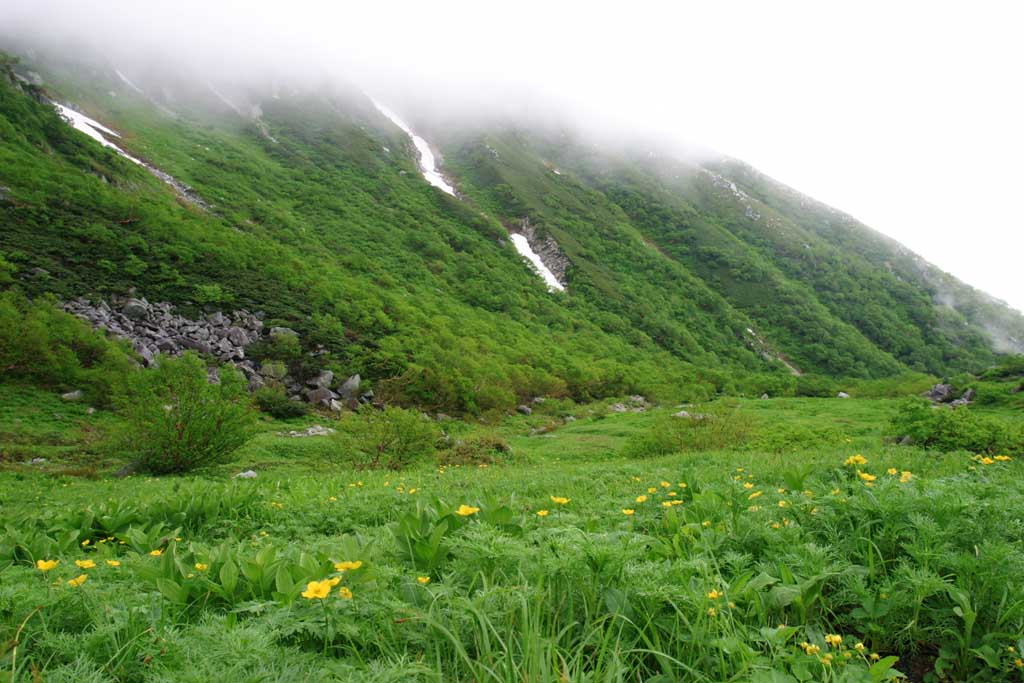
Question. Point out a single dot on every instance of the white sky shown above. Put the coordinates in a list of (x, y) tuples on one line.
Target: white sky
[(907, 115)]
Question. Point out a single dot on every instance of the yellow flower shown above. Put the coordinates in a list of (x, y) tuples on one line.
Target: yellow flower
[(747, 485), (334, 581), (809, 493), (348, 564), (85, 564), (874, 656), (891, 471), (542, 513), (85, 542), (466, 510), (783, 503), (344, 593), (714, 595), (333, 499), (77, 581), (1019, 663), (201, 567), (753, 495), (666, 504), (558, 500), (412, 491), (627, 511), (775, 525), (1003, 458), (682, 484), (835, 492), (641, 499), (706, 523), (986, 460), (826, 659), (865, 476), (156, 553), (856, 460), (712, 611), (46, 565), (317, 590), (809, 648), (672, 494), (781, 491), (753, 508), (859, 647), (424, 580), (675, 502), (833, 639), (651, 489), (113, 563), (905, 477), (665, 484)]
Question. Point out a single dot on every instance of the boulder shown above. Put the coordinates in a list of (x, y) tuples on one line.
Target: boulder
[(524, 410), (276, 332), (349, 389), (136, 309), (968, 395), (75, 395), (637, 399), (248, 474), (322, 395), (321, 381), (237, 336), (764, 397), (940, 393), (842, 394), (618, 408), (682, 414)]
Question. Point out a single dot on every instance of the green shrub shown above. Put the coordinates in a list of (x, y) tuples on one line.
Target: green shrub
[(817, 386), (392, 438), (275, 402), (949, 430), (482, 450), (175, 421)]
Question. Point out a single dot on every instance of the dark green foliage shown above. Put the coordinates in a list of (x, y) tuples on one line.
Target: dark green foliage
[(392, 438), (276, 403), (481, 450), (43, 345), (711, 427), (176, 421), (946, 429)]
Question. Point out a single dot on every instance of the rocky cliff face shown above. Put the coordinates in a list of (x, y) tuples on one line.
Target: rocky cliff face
[(548, 250)]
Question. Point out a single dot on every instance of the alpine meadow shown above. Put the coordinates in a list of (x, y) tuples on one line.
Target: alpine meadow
[(299, 384)]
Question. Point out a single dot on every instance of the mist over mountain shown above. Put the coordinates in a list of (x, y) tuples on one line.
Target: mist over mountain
[(251, 182)]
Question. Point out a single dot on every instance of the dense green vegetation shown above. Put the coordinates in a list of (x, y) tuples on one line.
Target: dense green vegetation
[(782, 558)]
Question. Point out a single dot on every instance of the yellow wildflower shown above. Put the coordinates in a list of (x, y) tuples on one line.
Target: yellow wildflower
[(317, 590), (834, 639), (466, 510), (78, 580), (85, 564), (542, 513), (641, 499), (156, 553), (714, 595), (809, 648), (1003, 458), (627, 511), (46, 565), (905, 477), (651, 489), (348, 564), (201, 567), (412, 491), (835, 492), (826, 659), (558, 500), (747, 485), (780, 490), (753, 495), (672, 494), (344, 593), (891, 471), (1019, 663), (859, 647), (682, 484), (753, 508), (986, 460), (85, 542), (775, 525), (783, 503), (875, 657), (865, 476), (665, 484), (113, 563), (706, 523), (856, 460), (423, 580), (334, 581), (675, 502), (712, 611)]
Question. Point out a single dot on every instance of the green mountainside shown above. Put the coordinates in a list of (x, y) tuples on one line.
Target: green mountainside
[(684, 279)]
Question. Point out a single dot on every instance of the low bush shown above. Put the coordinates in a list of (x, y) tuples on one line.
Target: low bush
[(482, 450), (176, 421), (708, 428), (392, 438), (275, 402), (949, 430)]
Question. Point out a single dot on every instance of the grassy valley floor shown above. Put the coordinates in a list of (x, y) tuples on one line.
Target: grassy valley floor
[(810, 551)]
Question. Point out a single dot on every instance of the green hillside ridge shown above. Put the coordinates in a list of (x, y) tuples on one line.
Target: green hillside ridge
[(319, 217)]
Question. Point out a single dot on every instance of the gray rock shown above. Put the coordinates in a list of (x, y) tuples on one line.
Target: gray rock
[(248, 474), (255, 383), (569, 418), (618, 408), (276, 332), (37, 461), (90, 411), (212, 376), (321, 381), (969, 395), (682, 414), (323, 395), (940, 393), (136, 309), (765, 397), (524, 410), (350, 387), (237, 336), (216, 319), (637, 399), (335, 405), (75, 395), (538, 400), (842, 394)]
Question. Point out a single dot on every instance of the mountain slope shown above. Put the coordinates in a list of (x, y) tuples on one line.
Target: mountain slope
[(682, 280)]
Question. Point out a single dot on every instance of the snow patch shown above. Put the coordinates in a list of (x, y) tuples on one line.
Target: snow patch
[(93, 129), (428, 165), (128, 83), (522, 245)]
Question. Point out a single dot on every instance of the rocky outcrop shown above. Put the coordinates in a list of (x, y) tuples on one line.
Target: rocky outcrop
[(152, 328), (548, 250), (940, 393)]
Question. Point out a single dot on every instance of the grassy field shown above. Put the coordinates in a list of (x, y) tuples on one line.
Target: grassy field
[(807, 551)]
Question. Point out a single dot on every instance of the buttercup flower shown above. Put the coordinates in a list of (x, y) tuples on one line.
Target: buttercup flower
[(833, 639), (856, 460), (347, 565), (201, 567), (558, 500), (542, 513), (317, 590), (891, 471), (77, 581), (641, 499), (113, 563), (466, 510), (85, 564), (46, 565), (753, 495), (865, 476), (423, 580), (627, 511), (156, 553), (714, 595), (344, 593), (747, 485)]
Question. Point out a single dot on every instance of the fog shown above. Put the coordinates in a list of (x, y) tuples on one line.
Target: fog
[(906, 115)]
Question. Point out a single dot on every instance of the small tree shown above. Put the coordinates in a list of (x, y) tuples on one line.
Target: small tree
[(177, 421)]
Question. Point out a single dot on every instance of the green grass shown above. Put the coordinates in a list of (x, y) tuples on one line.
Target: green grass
[(585, 593)]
